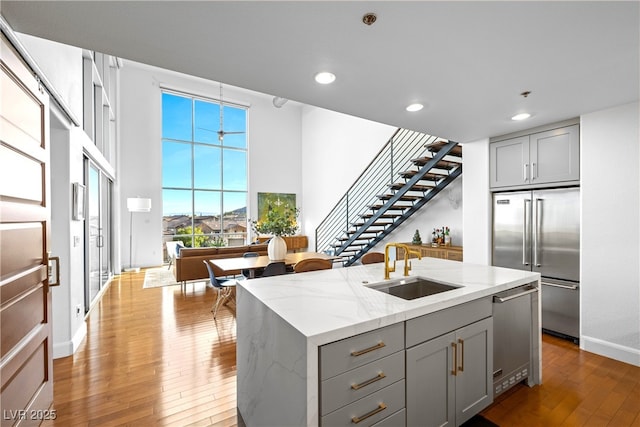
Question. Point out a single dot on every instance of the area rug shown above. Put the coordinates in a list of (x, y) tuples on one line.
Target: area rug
[(159, 276)]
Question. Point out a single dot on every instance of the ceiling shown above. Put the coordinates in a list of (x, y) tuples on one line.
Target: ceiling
[(467, 62)]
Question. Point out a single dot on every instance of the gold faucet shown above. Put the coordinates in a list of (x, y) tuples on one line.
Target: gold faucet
[(388, 269), (407, 263)]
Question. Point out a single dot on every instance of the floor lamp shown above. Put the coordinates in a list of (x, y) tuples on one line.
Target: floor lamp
[(135, 204)]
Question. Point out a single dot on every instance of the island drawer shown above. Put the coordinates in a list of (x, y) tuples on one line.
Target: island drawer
[(433, 325), (357, 383), (352, 352), (395, 420), (370, 409)]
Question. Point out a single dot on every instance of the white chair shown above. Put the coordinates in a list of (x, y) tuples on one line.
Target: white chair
[(172, 250)]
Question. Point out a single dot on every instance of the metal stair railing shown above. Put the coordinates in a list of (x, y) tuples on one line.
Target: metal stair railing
[(395, 157), (406, 214)]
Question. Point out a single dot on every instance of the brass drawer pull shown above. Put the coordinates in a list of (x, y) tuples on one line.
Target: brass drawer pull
[(378, 377), (381, 407), (455, 359), (461, 342), (367, 350)]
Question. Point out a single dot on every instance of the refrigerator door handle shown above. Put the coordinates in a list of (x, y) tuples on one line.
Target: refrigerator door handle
[(525, 233), (536, 234)]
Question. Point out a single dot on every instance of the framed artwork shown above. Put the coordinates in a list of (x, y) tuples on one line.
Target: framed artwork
[(78, 201), (276, 201)]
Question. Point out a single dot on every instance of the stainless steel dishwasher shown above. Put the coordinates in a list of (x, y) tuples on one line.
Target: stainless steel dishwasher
[(511, 337)]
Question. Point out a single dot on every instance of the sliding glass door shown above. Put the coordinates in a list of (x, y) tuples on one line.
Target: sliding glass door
[(98, 229)]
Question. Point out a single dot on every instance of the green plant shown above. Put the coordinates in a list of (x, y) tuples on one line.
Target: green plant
[(417, 240), (279, 221), (217, 241), (184, 234)]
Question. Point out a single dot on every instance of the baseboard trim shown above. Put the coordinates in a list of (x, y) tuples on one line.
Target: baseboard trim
[(67, 348), (613, 351)]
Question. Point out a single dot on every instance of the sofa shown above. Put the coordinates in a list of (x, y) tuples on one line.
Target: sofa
[(188, 264)]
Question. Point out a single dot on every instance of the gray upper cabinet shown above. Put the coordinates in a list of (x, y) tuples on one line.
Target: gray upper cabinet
[(539, 159), (510, 162)]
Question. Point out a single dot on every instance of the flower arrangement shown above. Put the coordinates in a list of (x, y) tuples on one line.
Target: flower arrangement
[(279, 221)]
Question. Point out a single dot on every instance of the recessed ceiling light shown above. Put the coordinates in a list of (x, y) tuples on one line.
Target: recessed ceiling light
[(415, 107), (521, 116), (325, 77)]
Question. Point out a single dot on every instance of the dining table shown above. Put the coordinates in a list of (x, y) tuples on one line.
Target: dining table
[(251, 264)]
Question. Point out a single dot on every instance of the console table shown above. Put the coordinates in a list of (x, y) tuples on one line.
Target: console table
[(453, 253)]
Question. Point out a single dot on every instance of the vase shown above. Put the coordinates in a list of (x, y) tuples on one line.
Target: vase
[(277, 248)]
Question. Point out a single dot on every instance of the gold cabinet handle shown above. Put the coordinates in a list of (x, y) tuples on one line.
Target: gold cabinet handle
[(378, 377), (381, 407), (461, 342), (455, 358), (367, 350)]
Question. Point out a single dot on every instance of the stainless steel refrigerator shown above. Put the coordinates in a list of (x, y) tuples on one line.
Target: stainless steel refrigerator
[(540, 231)]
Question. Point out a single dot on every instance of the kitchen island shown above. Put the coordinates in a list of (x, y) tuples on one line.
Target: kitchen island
[(291, 330)]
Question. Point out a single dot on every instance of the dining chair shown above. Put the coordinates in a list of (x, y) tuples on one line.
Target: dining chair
[(312, 264), (372, 257), (224, 288), (247, 273), (173, 251), (274, 269)]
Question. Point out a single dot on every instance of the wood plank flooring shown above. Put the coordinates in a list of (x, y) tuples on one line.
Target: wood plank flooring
[(156, 357)]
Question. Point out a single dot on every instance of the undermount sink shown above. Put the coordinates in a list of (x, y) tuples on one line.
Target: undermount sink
[(411, 287)]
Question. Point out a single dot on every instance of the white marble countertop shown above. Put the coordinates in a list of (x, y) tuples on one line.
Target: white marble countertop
[(330, 305)]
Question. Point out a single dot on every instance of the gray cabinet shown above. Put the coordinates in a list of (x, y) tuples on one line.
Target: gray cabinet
[(362, 379), (541, 158), (449, 377), (444, 377)]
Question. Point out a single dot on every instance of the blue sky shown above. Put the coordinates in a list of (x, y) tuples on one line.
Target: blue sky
[(185, 120)]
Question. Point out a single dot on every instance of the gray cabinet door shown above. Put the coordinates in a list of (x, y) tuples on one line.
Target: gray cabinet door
[(449, 378), (430, 384), (474, 382), (555, 155), (509, 162)]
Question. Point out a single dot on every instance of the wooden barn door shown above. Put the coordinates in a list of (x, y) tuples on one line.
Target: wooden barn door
[(26, 361)]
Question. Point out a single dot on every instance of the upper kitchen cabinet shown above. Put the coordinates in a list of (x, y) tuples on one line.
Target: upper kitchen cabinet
[(539, 159)]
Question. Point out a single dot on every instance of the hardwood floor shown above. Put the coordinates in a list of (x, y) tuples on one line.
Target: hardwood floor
[(156, 357), (151, 357)]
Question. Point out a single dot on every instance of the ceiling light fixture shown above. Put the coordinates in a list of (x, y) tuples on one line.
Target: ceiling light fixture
[(521, 116), (414, 107), (325, 77)]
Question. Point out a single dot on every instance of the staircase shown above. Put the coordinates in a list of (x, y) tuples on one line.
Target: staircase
[(408, 171)]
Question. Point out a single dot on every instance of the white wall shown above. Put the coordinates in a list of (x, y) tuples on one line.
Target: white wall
[(62, 65), (477, 221), (59, 62), (444, 210), (274, 156), (610, 256), (335, 150)]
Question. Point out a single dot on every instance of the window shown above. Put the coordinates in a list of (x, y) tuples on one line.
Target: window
[(204, 171)]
